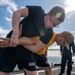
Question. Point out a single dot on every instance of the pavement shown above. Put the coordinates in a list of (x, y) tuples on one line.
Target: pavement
[(56, 71)]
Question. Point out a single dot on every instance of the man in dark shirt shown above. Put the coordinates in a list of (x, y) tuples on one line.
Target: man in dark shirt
[(35, 23), (67, 57)]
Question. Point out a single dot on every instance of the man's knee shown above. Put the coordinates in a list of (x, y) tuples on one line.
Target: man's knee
[(31, 72), (3, 73), (47, 68)]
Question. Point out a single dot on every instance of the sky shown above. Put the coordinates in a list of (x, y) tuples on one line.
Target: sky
[(7, 7)]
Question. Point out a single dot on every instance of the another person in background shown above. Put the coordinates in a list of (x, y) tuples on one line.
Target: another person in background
[(67, 58), (41, 55)]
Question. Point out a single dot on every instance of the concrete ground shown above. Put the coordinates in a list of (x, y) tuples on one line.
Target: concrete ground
[(55, 71)]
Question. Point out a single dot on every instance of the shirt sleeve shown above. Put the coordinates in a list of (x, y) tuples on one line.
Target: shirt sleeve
[(47, 37), (33, 10)]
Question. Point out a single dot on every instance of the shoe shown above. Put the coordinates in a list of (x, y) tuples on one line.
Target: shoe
[(68, 73), (60, 74)]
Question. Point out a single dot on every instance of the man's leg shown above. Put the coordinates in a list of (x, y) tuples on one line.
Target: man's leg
[(27, 72), (48, 70), (28, 69), (2, 73), (69, 64), (7, 61), (26, 61), (63, 64), (41, 61), (31, 72)]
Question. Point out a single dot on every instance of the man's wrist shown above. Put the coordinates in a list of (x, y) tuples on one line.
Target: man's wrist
[(15, 31)]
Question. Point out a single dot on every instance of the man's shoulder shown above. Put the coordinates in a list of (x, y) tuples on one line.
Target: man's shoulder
[(34, 7)]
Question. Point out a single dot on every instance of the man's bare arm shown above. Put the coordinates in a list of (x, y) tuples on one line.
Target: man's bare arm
[(15, 25), (17, 16), (22, 41), (26, 42), (35, 48)]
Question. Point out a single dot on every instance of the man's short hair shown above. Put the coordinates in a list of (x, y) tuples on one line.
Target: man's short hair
[(59, 12)]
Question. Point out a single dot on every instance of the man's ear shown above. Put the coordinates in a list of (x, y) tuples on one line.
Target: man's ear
[(20, 30)]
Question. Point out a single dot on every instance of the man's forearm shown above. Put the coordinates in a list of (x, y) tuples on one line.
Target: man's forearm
[(22, 41), (26, 41), (17, 16), (15, 22), (35, 48)]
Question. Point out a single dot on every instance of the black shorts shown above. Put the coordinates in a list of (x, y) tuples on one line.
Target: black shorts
[(41, 60), (9, 57)]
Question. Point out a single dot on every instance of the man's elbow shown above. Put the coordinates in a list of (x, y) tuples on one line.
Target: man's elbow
[(34, 51), (16, 13)]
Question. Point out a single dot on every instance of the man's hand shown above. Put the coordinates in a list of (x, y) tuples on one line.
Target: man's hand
[(4, 43), (15, 36)]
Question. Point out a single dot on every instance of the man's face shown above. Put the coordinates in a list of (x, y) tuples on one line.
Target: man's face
[(60, 40), (51, 22)]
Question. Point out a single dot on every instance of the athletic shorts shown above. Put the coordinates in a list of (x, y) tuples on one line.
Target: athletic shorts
[(41, 60), (9, 57)]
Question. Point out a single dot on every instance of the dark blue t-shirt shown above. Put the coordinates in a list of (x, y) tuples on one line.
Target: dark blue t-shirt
[(33, 24)]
